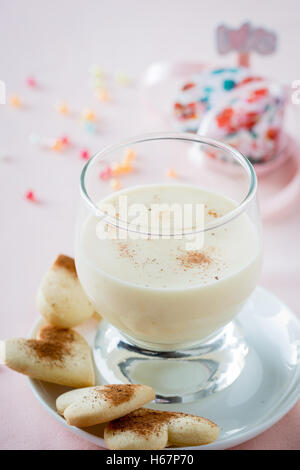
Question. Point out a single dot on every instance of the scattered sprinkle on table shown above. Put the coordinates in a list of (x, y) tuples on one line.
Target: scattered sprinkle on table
[(63, 108), (85, 154), (129, 155), (102, 94), (96, 71), (88, 115), (31, 82), (34, 138), (172, 173), (57, 145), (122, 79), (15, 101), (30, 196), (90, 127), (65, 140), (106, 174), (115, 184)]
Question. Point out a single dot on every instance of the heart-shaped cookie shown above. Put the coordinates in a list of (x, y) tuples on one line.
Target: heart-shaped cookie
[(95, 405), (146, 429), (61, 299), (58, 355)]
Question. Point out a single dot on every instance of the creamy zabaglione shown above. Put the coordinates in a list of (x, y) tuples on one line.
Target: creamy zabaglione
[(155, 290)]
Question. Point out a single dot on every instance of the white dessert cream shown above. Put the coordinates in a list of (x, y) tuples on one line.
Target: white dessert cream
[(154, 290)]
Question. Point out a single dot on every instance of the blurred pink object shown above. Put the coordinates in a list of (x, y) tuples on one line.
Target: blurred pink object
[(250, 119)]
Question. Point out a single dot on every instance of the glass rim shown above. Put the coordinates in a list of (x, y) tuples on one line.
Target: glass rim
[(184, 137)]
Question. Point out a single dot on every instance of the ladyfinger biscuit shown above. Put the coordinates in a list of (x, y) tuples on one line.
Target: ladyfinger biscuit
[(61, 299), (58, 355), (146, 429), (101, 404)]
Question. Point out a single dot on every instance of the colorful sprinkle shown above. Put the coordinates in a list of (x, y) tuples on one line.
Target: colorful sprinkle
[(97, 71), (15, 101), (31, 82), (97, 82), (85, 154), (115, 184), (217, 71), (30, 196), (125, 166), (172, 173), (90, 127), (117, 169), (57, 145), (60, 144), (249, 80), (102, 94), (223, 119), (88, 115), (211, 154), (106, 174), (34, 139), (272, 133), (228, 85), (121, 168), (188, 86), (65, 140), (122, 79), (257, 95), (129, 156), (186, 111), (63, 109)]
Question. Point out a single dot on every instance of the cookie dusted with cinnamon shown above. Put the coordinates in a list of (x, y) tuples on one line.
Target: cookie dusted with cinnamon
[(61, 299), (146, 429), (95, 405), (60, 356)]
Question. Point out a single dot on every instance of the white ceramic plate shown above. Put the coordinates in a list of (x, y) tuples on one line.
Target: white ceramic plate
[(267, 389)]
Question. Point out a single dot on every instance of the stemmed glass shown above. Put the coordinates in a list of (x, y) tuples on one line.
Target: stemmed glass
[(169, 294)]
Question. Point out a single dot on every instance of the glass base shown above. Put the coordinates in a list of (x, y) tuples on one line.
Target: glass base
[(179, 376)]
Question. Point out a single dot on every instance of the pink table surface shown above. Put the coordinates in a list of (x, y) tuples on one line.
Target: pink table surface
[(57, 42)]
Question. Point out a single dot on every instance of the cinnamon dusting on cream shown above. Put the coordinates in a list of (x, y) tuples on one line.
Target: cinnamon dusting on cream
[(126, 252), (213, 213), (190, 259)]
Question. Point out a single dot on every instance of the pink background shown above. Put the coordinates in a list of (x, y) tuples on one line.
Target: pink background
[(57, 42)]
